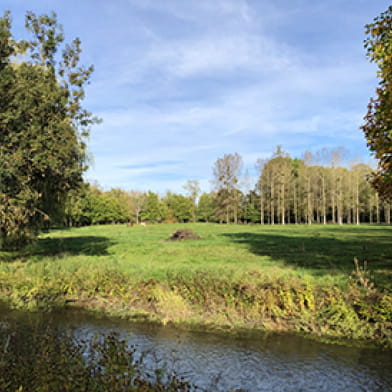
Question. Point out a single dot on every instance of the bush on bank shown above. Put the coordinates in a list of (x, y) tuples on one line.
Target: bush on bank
[(201, 299)]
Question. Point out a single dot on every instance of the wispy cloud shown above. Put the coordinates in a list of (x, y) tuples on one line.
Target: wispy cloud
[(152, 165), (201, 12), (180, 83), (221, 53)]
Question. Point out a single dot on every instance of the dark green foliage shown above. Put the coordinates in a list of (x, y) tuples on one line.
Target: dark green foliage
[(89, 205), (181, 206), (42, 127), (250, 208), (75, 207), (154, 210), (378, 125), (205, 208), (99, 207)]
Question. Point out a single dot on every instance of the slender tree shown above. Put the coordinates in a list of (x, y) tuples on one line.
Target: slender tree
[(138, 201), (193, 189), (259, 167), (227, 172)]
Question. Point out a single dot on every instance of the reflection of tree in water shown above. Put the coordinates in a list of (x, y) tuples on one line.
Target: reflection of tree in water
[(42, 357), (57, 352)]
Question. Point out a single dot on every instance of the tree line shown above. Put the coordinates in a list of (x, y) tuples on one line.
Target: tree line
[(314, 189)]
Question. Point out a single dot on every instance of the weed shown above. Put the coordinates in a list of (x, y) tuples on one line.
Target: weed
[(361, 276)]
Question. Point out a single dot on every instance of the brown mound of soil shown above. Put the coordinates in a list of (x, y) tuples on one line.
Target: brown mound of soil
[(183, 234)]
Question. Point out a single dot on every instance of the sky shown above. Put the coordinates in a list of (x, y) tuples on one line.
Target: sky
[(180, 83)]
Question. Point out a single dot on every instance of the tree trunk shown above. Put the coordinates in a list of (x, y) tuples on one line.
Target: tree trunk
[(272, 204), (309, 203), (261, 207), (333, 198), (283, 212), (324, 202), (339, 203), (357, 202), (377, 209), (387, 212), (295, 204)]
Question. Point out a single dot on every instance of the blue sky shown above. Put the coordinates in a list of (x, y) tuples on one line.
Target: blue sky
[(180, 83)]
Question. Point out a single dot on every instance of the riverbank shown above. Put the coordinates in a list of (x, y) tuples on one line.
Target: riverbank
[(293, 278)]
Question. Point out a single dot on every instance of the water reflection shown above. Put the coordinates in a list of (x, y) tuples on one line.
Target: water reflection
[(257, 362)]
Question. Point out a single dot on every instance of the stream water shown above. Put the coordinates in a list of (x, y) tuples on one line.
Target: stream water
[(250, 362)]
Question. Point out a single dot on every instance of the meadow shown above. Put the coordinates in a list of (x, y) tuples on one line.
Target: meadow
[(293, 277)]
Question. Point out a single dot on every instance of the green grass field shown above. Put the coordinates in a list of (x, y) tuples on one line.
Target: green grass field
[(290, 270), (320, 253)]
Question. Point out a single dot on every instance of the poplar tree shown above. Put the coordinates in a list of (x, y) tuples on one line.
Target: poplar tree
[(193, 189), (227, 172)]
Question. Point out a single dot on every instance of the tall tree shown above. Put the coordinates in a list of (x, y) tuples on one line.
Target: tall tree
[(181, 207), (102, 207), (43, 126), (138, 201), (123, 200), (154, 210), (206, 207), (260, 189), (251, 208), (75, 207), (378, 120), (274, 185), (193, 189), (267, 189), (227, 172), (283, 165), (308, 176)]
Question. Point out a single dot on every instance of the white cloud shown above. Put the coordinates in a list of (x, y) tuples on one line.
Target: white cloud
[(225, 85), (209, 54), (201, 12), (187, 81)]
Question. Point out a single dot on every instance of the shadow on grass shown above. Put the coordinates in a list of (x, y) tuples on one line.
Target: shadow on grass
[(46, 247), (325, 253), (86, 245)]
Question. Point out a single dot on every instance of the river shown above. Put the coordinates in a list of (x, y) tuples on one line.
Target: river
[(246, 362)]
